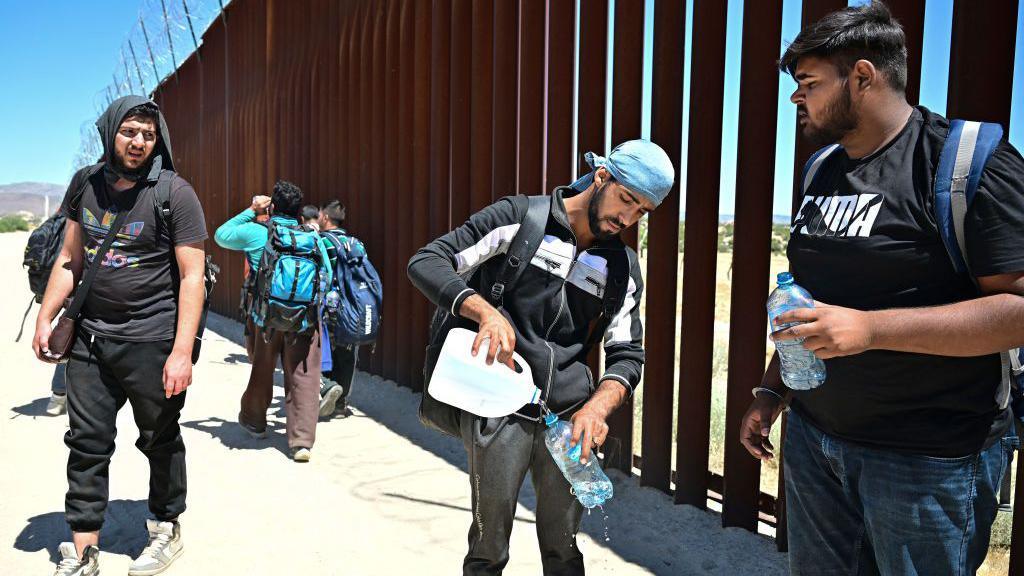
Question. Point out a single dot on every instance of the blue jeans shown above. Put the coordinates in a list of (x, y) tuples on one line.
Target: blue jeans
[(57, 384), (858, 510)]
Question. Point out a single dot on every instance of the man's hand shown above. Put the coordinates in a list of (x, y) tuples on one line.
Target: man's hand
[(828, 331), (757, 425), (493, 326), (41, 342), (589, 428), (496, 328), (177, 373), (590, 423), (260, 204)]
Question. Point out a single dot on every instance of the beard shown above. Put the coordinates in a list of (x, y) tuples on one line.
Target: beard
[(838, 120), (131, 174), (594, 218)]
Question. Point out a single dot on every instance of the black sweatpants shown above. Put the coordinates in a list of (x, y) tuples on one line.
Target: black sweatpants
[(501, 451), (343, 367), (101, 375)]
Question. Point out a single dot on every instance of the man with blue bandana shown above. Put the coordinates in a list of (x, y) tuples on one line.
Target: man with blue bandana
[(547, 317)]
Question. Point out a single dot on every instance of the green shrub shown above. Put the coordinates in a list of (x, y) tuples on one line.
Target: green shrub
[(13, 223)]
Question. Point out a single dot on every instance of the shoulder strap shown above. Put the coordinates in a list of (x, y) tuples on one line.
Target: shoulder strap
[(162, 201), (524, 245), (968, 147), (813, 164), (76, 198), (90, 274)]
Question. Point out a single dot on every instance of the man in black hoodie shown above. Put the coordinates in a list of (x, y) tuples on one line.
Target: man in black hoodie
[(137, 327)]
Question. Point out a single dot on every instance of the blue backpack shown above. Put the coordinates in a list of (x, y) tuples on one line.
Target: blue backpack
[(287, 289), (354, 319), (967, 148)]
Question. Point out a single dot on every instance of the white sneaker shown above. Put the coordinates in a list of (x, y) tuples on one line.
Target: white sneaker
[(164, 548), (301, 454), (71, 565), (57, 405)]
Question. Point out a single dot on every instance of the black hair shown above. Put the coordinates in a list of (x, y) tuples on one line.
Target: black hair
[(144, 112), (310, 212), (287, 199), (867, 32), (335, 211)]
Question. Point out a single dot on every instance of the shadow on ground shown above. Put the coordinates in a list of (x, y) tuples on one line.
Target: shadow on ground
[(124, 530), (34, 408), (641, 525)]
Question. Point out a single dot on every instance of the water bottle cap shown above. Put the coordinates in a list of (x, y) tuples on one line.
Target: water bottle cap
[(550, 419), (784, 278)]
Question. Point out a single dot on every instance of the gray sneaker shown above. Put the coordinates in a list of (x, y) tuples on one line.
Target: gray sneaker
[(71, 565), (329, 399), (57, 405), (164, 548)]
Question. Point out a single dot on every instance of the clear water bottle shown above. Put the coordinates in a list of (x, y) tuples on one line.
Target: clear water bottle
[(801, 369), (331, 302), (589, 483)]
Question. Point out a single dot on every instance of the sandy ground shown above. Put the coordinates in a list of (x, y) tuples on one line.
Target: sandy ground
[(381, 495)]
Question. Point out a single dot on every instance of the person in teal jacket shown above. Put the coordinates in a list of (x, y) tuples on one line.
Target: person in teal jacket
[(300, 356)]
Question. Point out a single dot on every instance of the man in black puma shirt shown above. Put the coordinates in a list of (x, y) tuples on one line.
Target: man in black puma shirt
[(894, 463)]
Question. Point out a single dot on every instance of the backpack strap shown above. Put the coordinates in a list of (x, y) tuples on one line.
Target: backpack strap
[(162, 203), (524, 245), (967, 148), (813, 164), (76, 198)]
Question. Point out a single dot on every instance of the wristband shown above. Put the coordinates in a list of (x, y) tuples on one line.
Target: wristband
[(781, 398)]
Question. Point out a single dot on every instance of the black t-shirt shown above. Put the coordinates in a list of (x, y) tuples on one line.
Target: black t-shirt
[(134, 296), (866, 238)]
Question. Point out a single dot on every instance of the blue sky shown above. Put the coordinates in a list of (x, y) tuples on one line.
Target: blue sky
[(60, 54)]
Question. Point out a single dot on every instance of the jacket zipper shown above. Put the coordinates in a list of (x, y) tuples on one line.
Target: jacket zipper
[(561, 306)]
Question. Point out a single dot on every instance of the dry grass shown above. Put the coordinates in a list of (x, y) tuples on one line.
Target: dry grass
[(998, 559)]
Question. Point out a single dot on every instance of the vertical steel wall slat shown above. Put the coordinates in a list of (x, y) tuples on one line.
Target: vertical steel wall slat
[(663, 248), (532, 42), (755, 173), (506, 92), (981, 61), (560, 105), (627, 96), (481, 108), (704, 160)]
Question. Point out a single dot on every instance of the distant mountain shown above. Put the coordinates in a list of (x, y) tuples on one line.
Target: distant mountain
[(36, 188), (30, 197)]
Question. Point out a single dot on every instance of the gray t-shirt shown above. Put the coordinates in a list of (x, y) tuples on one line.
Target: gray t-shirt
[(134, 296)]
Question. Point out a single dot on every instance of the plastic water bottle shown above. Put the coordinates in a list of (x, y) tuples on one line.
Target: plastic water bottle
[(589, 483), (801, 369), (331, 302), (468, 382)]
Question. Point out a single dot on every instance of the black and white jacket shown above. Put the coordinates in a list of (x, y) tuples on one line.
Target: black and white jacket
[(552, 306)]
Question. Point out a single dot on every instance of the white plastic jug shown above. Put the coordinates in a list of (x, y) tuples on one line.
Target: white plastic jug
[(467, 382)]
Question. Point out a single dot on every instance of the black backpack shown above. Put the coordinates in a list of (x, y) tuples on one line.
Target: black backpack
[(44, 243), (535, 209)]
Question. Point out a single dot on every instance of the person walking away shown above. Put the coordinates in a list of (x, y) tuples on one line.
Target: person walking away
[(336, 384), (298, 352)]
